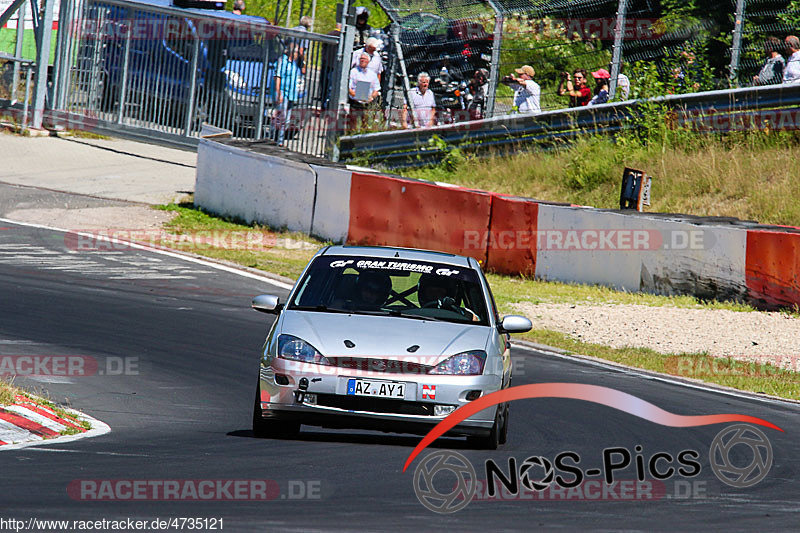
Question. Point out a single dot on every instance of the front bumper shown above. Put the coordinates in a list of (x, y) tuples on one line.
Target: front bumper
[(282, 398)]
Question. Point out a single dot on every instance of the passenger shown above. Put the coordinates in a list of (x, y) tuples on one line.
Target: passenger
[(372, 290)]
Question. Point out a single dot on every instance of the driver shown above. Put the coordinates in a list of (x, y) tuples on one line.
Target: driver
[(432, 291), (372, 289), (440, 292)]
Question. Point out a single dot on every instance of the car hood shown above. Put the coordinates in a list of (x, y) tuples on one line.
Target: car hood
[(384, 337)]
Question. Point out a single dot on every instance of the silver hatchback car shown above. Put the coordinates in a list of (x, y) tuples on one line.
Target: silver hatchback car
[(391, 339)]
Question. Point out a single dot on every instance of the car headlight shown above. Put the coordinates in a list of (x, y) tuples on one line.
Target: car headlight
[(294, 349), (235, 80), (462, 364)]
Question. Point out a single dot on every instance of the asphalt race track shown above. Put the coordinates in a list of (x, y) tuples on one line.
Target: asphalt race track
[(182, 412)]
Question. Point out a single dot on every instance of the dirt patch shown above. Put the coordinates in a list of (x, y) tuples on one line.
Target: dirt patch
[(95, 218), (755, 336)]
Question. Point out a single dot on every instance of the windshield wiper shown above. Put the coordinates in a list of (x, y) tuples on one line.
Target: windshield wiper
[(319, 308), (401, 314)]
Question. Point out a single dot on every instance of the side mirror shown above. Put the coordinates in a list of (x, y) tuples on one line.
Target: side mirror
[(267, 303), (515, 324)]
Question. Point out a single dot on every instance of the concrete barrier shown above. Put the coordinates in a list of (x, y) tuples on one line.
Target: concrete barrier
[(254, 187), (773, 268), (416, 214), (511, 243), (331, 203), (665, 254), (636, 253)]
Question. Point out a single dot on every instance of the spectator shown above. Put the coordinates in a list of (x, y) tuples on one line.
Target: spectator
[(526, 91), (423, 102), (371, 49), (305, 25), (238, 7), (286, 91), (363, 29), (623, 83), (579, 93), (601, 78), (329, 66), (479, 88), (364, 88), (791, 74), (772, 71)]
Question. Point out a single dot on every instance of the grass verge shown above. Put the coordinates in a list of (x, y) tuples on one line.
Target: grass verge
[(508, 290), (9, 392), (747, 176)]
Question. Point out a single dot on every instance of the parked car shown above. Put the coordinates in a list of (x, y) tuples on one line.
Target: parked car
[(385, 338), (158, 68)]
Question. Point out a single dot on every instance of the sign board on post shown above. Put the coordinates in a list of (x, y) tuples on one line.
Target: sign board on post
[(635, 192)]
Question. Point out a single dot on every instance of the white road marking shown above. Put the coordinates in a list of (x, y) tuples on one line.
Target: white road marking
[(216, 266), (10, 433)]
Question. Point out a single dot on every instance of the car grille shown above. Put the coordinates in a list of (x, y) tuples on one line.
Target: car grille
[(380, 365), (374, 405)]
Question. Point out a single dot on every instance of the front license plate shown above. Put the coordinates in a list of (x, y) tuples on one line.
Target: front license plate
[(377, 389)]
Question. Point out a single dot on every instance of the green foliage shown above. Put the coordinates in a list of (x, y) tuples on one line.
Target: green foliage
[(454, 156), (324, 19)]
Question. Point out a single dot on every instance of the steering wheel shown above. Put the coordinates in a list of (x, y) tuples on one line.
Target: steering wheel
[(447, 303)]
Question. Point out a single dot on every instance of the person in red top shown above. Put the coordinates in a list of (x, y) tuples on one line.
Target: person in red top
[(579, 93)]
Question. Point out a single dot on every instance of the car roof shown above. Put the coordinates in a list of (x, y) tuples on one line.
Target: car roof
[(215, 13), (402, 253)]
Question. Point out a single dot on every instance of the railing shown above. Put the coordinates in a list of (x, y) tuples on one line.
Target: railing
[(155, 71), (774, 107)]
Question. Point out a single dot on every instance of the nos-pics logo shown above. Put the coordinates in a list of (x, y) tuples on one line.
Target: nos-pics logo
[(446, 481)]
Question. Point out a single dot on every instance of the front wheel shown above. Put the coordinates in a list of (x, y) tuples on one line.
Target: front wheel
[(265, 428), (496, 436)]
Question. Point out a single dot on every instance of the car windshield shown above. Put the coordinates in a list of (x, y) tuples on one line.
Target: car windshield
[(418, 290)]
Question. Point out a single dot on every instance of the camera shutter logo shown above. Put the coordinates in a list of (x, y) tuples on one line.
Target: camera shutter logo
[(720, 456), (445, 461), (541, 462)]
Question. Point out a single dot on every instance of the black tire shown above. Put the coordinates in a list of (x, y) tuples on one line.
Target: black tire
[(492, 440), (503, 436), (265, 428)]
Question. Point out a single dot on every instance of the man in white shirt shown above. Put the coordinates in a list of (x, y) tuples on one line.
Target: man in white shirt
[(375, 61), (363, 89), (361, 73), (526, 91), (423, 102), (791, 73)]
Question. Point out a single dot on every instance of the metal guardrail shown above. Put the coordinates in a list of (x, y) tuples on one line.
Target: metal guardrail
[(713, 111)]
